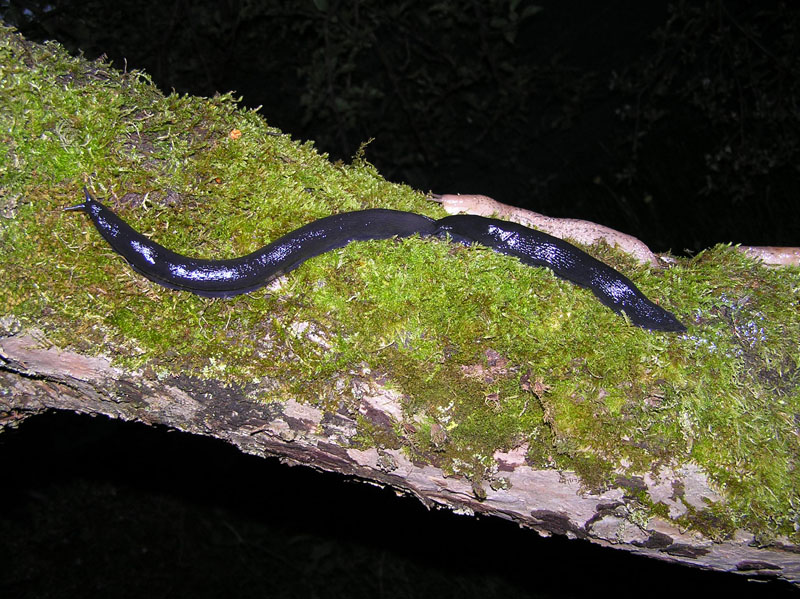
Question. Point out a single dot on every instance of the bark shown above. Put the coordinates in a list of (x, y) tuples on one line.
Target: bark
[(37, 377)]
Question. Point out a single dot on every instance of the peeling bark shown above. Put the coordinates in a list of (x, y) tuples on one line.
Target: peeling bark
[(36, 377)]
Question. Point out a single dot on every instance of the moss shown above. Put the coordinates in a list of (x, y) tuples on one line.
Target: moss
[(714, 522), (555, 369)]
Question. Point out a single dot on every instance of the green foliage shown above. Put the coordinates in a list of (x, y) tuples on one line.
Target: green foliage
[(359, 70)]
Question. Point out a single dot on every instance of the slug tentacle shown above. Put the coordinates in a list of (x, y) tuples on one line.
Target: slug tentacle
[(226, 278), (82, 205)]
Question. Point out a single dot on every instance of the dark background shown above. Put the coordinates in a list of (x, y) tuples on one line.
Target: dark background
[(98, 508), (676, 122)]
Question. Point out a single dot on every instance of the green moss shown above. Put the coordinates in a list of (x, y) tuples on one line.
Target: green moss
[(486, 354)]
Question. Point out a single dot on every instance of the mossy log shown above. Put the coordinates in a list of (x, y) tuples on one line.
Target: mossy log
[(455, 375), (38, 377)]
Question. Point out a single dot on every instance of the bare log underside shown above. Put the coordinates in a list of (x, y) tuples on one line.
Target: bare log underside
[(37, 377)]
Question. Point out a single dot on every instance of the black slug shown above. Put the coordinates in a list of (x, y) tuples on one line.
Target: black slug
[(226, 278), (533, 247)]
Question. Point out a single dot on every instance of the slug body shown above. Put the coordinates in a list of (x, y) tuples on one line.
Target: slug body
[(227, 278), (535, 248)]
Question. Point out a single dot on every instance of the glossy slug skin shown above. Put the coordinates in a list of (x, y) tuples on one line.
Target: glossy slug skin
[(535, 248), (226, 278)]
